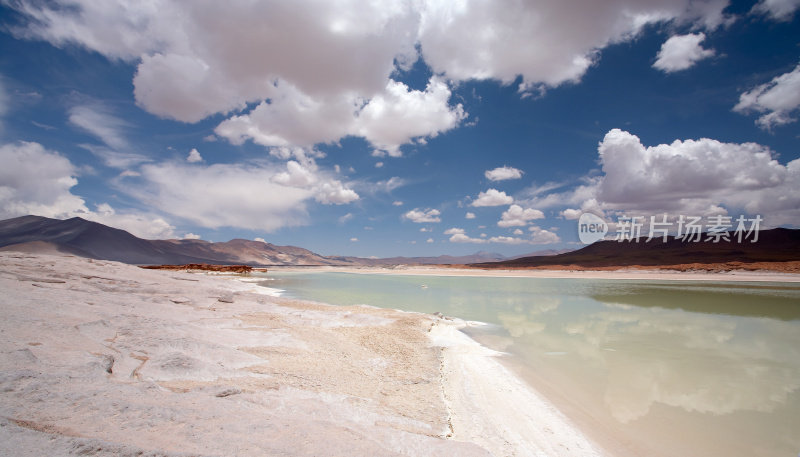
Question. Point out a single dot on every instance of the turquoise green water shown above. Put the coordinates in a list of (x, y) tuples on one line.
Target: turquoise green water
[(645, 368)]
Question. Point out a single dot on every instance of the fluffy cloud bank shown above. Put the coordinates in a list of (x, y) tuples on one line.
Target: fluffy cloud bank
[(257, 196), (326, 64), (778, 99), (538, 236), (697, 177), (388, 120), (34, 180), (242, 59), (546, 43), (681, 52)]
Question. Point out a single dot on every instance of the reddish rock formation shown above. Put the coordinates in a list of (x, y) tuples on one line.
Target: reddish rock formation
[(203, 267)]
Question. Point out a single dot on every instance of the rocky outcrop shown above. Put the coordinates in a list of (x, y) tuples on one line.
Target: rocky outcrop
[(244, 269)]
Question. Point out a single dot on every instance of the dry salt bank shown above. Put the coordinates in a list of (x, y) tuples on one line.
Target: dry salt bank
[(101, 358)]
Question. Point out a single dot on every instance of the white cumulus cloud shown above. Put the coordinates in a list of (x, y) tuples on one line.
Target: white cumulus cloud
[(571, 214), (503, 173), (194, 156), (546, 43), (335, 193), (778, 100), (221, 195), (458, 235), (517, 216), (145, 225), (539, 236), (399, 115), (690, 174), (296, 175), (693, 177), (492, 197), (326, 190), (680, 52), (36, 181), (388, 120), (423, 216), (240, 58), (542, 236)]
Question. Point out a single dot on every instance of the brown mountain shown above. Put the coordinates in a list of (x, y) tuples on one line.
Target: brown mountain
[(773, 246), (84, 238), (247, 252)]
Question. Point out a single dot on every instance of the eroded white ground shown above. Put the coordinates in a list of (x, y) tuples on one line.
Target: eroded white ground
[(100, 358)]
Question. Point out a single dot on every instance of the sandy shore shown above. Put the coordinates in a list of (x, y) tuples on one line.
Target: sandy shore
[(101, 358), (633, 274)]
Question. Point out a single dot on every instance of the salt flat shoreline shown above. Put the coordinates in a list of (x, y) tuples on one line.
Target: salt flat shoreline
[(623, 274), (102, 358)]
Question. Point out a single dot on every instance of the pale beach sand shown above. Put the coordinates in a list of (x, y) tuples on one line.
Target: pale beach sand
[(101, 358)]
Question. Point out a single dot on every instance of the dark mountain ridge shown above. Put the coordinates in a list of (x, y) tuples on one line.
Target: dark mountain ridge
[(774, 245)]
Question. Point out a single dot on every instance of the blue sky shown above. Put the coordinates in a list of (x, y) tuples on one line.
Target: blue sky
[(398, 128)]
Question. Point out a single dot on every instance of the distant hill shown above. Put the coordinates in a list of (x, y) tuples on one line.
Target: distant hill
[(478, 257), (438, 260), (84, 238), (775, 245), (543, 252)]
